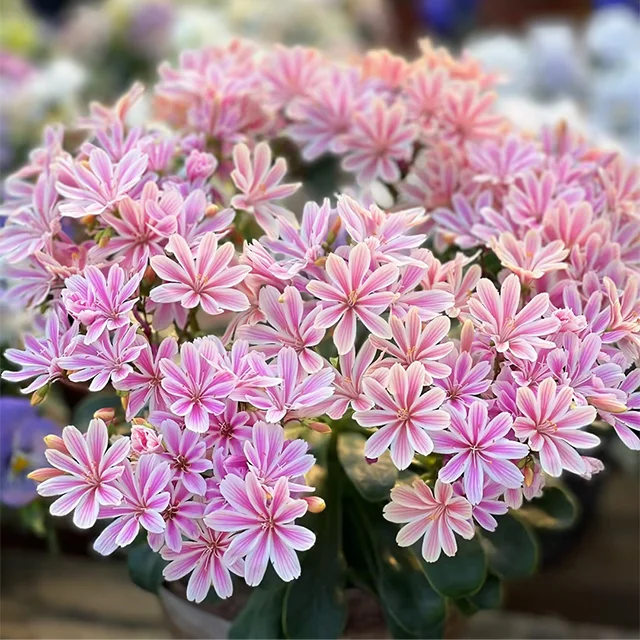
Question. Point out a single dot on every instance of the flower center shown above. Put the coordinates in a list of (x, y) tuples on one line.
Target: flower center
[(181, 463), (352, 298), (403, 415), (226, 430)]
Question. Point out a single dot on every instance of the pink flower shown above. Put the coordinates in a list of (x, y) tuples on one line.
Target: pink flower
[(203, 556), (290, 327), (435, 515), (101, 304), (102, 185), (106, 359), (379, 139), (465, 382), (551, 426), (479, 447), (180, 517), (527, 258), (490, 505), (267, 527), (406, 413), (144, 385), (297, 392), (208, 280), (144, 498), (496, 315), (144, 440), (353, 295), (195, 387), (415, 343), (186, 454), (228, 430), (349, 390), (90, 472), (41, 357), (259, 184), (271, 457)]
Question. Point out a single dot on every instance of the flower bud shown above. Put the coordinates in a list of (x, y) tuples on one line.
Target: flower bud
[(371, 460), (145, 440), (55, 442), (200, 165), (39, 396), (316, 504), (319, 427), (106, 414)]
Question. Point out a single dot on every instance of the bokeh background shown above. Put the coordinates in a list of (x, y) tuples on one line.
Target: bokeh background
[(573, 60)]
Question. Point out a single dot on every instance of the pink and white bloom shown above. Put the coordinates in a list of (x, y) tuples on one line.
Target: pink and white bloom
[(480, 448), (207, 280), (89, 473), (229, 430), (380, 138), (259, 184), (496, 315), (105, 360), (465, 382), (185, 452), (553, 428), (404, 414), (144, 498), (290, 327), (144, 385), (100, 186), (101, 304), (297, 392), (437, 515), (202, 556), (415, 343), (265, 526), (354, 294), (195, 388)]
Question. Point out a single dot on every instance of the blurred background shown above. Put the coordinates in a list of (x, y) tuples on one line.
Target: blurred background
[(577, 60)]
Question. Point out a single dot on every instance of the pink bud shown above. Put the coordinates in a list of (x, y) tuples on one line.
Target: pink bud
[(320, 427), (106, 414), (316, 504), (145, 440), (371, 460), (200, 166)]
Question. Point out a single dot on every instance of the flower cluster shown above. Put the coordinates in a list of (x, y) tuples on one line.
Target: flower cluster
[(476, 325)]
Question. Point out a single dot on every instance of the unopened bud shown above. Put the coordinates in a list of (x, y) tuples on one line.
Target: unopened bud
[(124, 401), (141, 422), (318, 427), (88, 221), (39, 396), (320, 262), (149, 276), (528, 476), (106, 414), (315, 504), (371, 460), (55, 442), (211, 210), (40, 475)]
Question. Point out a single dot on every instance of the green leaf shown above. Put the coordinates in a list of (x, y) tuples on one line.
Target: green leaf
[(512, 549), (556, 508), (405, 594), (261, 616), (315, 605), (373, 481), (461, 575), (489, 597), (145, 567), (84, 410)]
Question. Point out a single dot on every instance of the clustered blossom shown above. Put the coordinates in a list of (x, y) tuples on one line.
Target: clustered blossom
[(475, 326)]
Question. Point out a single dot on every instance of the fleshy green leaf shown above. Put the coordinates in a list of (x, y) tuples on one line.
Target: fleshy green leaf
[(373, 481), (315, 605), (261, 617), (489, 597), (556, 508), (511, 549), (407, 598), (145, 567), (461, 575)]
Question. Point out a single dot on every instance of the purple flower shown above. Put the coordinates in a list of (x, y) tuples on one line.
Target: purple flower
[(207, 281), (479, 447), (144, 498), (267, 527), (144, 385), (228, 430), (297, 392), (195, 387), (353, 295), (100, 186), (290, 327), (186, 454), (101, 304), (466, 380), (89, 473), (106, 359), (41, 357)]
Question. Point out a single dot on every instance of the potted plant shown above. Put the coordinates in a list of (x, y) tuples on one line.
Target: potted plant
[(375, 393)]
